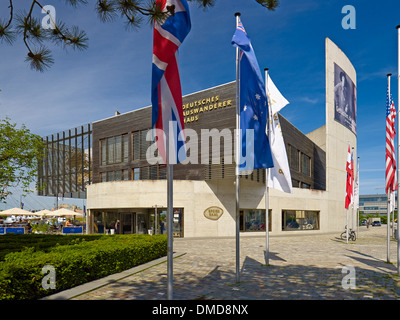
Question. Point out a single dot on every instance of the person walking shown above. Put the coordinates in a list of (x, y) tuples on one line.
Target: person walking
[(117, 225)]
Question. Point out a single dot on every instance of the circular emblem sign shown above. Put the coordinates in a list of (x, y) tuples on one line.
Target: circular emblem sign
[(213, 213)]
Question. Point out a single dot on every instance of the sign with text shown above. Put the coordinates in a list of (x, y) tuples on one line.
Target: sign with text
[(213, 213)]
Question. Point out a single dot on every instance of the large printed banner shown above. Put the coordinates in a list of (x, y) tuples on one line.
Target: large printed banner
[(345, 100)]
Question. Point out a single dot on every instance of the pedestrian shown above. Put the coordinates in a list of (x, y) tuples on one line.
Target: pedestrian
[(117, 227)]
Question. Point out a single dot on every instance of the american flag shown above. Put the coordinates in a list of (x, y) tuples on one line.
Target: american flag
[(167, 110), (391, 184)]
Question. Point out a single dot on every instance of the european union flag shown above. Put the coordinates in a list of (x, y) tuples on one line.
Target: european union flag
[(255, 151)]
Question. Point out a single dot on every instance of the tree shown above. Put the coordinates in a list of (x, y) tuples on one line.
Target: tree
[(39, 57), (20, 151)]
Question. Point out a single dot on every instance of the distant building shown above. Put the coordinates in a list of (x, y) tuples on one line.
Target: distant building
[(374, 204)]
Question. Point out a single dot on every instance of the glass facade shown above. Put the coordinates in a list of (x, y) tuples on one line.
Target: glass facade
[(294, 220), (66, 168), (253, 220), (138, 221)]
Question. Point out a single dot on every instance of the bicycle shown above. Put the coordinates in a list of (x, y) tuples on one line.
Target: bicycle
[(352, 235)]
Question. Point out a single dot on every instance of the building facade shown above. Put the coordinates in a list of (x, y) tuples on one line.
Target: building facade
[(131, 187), (374, 204), (114, 161)]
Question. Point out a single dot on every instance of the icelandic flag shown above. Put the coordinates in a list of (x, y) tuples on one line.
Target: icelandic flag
[(255, 150), (166, 93)]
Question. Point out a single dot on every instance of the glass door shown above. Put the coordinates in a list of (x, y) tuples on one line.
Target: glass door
[(141, 225), (127, 226)]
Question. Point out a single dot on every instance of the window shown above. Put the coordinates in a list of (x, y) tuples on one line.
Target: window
[(253, 220), (125, 175), (306, 164), (305, 185), (162, 171), (110, 176), (136, 145), (103, 147), (295, 183), (153, 172), (110, 150), (143, 144), (114, 150), (125, 146), (294, 158), (144, 173), (294, 220), (117, 149), (136, 174)]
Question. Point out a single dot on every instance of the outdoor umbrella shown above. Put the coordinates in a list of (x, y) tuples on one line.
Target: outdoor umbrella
[(64, 212), (42, 213), (15, 212)]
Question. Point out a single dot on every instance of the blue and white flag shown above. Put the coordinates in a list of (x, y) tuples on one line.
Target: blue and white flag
[(255, 151)]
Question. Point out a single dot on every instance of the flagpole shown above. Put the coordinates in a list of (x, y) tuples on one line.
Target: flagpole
[(347, 210), (388, 196), (237, 15), (170, 221), (358, 202), (354, 179), (347, 225), (398, 151), (266, 184)]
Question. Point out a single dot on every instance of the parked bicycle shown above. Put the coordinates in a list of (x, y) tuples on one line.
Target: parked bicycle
[(352, 234)]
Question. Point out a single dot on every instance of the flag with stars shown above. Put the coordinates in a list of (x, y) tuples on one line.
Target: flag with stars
[(255, 150), (390, 176)]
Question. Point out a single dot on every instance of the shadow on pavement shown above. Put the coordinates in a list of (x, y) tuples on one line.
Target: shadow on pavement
[(259, 282)]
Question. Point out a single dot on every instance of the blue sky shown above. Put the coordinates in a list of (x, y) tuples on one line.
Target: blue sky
[(114, 73)]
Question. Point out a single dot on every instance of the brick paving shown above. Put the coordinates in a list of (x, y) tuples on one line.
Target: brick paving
[(301, 267)]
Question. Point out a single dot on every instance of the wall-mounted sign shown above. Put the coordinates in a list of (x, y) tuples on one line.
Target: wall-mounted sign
[(213, 213)]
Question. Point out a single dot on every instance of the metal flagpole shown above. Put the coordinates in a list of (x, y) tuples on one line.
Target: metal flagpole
[(398, 151), (388, 196), (358, 206), (170, 249), (347, 225), (354, 179), (266, 184), (237, 15)]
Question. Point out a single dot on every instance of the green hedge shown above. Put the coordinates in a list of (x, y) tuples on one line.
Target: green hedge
[(21, 276), (40, 242)]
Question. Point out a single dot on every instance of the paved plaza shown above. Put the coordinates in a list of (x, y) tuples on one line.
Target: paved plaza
[(301, 267)]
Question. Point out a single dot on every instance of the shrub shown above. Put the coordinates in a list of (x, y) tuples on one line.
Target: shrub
[(21, 277)]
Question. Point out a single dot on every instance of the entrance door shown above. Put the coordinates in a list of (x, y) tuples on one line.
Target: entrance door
[(141, 224), (127, 223)]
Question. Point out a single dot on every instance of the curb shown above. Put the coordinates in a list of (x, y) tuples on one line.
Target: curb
[(93, 285)]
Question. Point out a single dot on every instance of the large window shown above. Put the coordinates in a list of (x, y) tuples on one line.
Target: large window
[(114, 175), (140, 145), (253, 220), (306, 164), (114, 150), (294, 158), (156, 172), (294, 220)]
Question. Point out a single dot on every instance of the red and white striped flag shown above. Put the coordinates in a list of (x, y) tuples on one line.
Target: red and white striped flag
[(349, 180), (391, 183)]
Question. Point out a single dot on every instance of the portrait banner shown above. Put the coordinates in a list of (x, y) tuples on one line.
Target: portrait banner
[(345, 100)]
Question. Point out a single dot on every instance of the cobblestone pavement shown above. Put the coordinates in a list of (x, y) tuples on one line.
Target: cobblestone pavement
[(301, 267)]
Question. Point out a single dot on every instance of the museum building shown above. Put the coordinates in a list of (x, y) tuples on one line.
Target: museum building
[(128, 185)]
